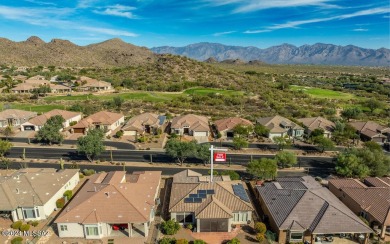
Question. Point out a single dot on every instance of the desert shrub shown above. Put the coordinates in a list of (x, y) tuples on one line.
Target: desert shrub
[(181, 241), (17, 240), (16, 225), (35, 223), (88, 172), (81, 176), (199, 242), (234, 241), (60, 203), (119, 134), (68, 194), (260, 228), (170, 227), (167, 240), (24, 227), (73, 123), (189, 226), (260, 237)]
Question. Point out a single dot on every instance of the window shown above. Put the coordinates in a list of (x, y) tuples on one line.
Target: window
[(296, 236), (64, 227), (236, 217), (240, 217), (184, 218), (92, 230), (31, 213)]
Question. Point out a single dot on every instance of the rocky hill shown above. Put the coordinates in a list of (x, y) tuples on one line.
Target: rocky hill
[(285, 54), (35, 51)]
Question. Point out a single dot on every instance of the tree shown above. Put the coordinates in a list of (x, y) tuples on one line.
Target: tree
[(233, 174), (373, 104), (349, 165), (180, 150), (317, 132), (372, 146), (8, 131), (242, 130), (92, 144), (203, 152), (41, 90), (239, 143), (5, 146), (323, 143), (351, 113), (118, 101), (261, 130), (264, 168), (282, 141), (50, 132), (344, 132), (170, 227), (286, 159)]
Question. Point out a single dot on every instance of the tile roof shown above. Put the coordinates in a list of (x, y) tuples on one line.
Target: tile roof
[(309, 206), (41, 119), (377, 182), (277, 123), (194, 122), (317, 122), (101, 118), (29, 187), (230, 123), (138, 122), (16, 114), (370, 128), (338, 183), (90, 82), (221, 204), (108, 198)]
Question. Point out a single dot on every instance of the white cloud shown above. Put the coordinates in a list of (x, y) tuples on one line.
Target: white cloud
[(360, 29), (296, 24), (111, 32), (223, 33), (86, 3), (118, 10), (40, 2)]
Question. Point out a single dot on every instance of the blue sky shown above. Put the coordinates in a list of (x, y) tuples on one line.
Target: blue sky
[(150, 23)]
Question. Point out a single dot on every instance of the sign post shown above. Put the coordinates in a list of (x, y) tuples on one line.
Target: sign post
[(219, 157)]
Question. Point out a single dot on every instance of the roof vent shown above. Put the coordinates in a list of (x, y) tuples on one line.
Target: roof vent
[(17, 190), (107, 194)]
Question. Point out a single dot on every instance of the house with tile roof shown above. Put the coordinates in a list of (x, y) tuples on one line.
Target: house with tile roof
[(89, 84), (299, 209), (107, 121), (36, 123), (31, 194), (369, 198), (112, 203), (280, 126), (210, 206), (372, 131), (148, 123), (313, 123), (191, 124), (225, 126), (15, 117)]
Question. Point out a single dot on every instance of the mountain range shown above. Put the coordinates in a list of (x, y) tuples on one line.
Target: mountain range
[(319, 53)]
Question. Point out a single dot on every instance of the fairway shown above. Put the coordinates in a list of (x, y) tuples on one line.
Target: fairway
[(323, 93), (205, 91), (34, 108)]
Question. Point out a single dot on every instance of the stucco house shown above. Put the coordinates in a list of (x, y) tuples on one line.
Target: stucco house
[(15, 117), (144, 123), (104, 120), (31, 194), (36, 123), (112, 203), (210, 206), (371, 131), (90, 84), (280, 126), (299, 209), (191, 124), (225, 126), (313, 123)]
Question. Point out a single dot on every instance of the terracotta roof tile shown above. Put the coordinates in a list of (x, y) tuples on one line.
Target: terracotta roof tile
[(230, 123)]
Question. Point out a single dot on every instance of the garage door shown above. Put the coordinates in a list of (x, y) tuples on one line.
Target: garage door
[(78, 130), (129, 132), (214, 225), (200, 133)]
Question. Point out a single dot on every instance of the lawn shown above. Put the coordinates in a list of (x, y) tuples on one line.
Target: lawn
[(205, 91), (32, 107), (323, 93)]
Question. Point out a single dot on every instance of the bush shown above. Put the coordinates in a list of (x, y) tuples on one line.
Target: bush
[(234, 241), (199, 242), (88, 172), (73, 123), (167, 240), (35, 223), (24, 227), (17, 240), (60, 203), (16, 225), (81, 176), (189, 226), (181, 241), (68, 194), (260, 228), (271, 236), (170, 227), (119, 134), (260, 237)]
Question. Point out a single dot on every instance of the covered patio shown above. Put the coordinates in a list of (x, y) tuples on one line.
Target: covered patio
[(129, 230)]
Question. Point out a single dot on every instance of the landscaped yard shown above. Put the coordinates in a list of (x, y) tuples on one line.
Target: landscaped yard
[(323, 93)]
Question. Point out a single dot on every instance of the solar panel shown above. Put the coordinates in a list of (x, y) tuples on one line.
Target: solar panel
[(210, 192), (202, 191), (202, 195), (197, 200), (188, 200), (240, 192), (193, 195)]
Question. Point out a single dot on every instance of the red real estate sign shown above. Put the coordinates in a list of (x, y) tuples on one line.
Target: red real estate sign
[(220, 157)]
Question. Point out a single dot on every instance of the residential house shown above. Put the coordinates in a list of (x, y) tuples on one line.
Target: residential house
[(225, 126), (36, 82), (148, 123), (23, 88), (112, 203), (280, 126), (58, 88), (107, 121), (191, 124), (299, 209), (31, 194), (89, 84), (19, 78), (210, 206), (36, 123), (372, 131), (369, 198), (313, 123), (15, 117)]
